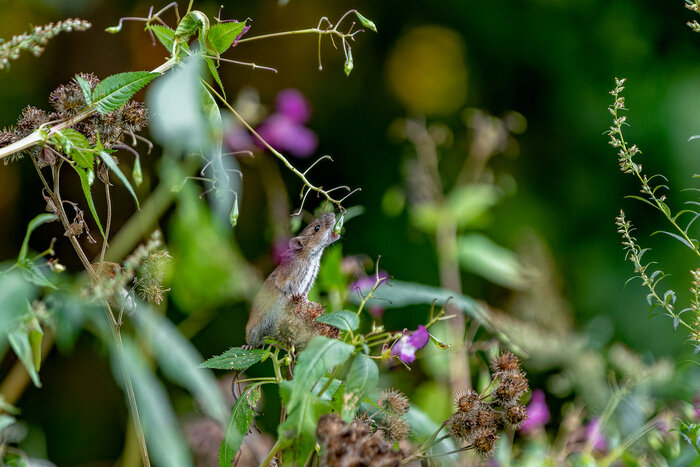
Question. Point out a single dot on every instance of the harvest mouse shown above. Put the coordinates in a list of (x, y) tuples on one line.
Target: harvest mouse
[(292, 278)]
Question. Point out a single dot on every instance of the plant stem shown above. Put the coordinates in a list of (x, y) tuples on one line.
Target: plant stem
[(107, 226), (271, 455)]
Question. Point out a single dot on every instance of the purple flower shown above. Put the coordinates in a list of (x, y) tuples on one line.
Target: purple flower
[(406, 347), (376, 311), (283, 134), (594, 435), (279, 249), (696, 407), (238, 139), (245, 30), (293, 105), (537, 412)]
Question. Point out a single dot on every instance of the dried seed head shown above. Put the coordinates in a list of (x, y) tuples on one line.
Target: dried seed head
[(460, 426), (393, 402), (484, 441), (515, 415), (134, 116), (45, 157), (7, 136), (328, 426), (485, 417), (466, 400), (505, 362), (511, 387), (31, 119), (396, 428)]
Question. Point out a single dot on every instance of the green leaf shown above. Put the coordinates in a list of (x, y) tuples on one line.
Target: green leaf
[(109, 161), (362, 377), (36, 334), (85, 87), (297, 434), (234, 358), (238, 424), (85, 184), (190, 23), (313, 362), (215, 74), (480, 255), (5, 421), (115, 91), (178, 359), (343, 320), (164, 34), (677, 237), (366, 22), (33, 224), (32, 273), (166, 443), (422, 427), (75, 145), (15, 293), (222, 35), (19, 340)]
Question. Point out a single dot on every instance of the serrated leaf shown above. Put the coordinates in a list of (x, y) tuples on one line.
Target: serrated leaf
[(234, 358), (116, 90), (19, 341), (297, 433), (343, 320), (362, 377), (85, 184), (222, 35), (86, 88), (164, 34), (33, 224), (75, 145), (215, 74), (31, 272), (238, 424), (109, 161), (366, 22)]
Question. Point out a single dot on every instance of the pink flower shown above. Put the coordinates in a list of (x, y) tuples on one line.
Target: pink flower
[(537, 412), (365, 284), (238, 139), (696, 407), (406, 347), (594, 435), (285, 135), (279, 249)]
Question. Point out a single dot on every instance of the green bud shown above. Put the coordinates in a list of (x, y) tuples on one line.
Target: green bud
[(116, 29), (366, 22), (136, 174), (90, 177), (349, 65), (234, 213)]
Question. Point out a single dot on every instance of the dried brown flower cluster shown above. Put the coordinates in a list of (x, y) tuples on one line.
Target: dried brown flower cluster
[(299, 325), (479, 417), (67, 101), (354, 444)]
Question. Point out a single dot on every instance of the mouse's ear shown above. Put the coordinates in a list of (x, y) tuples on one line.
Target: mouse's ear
[(296, 243)]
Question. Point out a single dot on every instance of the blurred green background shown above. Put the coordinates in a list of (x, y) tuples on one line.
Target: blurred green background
[(553, 61)]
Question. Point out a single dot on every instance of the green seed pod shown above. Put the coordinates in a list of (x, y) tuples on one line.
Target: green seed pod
[(349, 65), (90, 177), (136, 174), (234, 213), (366, 22), (117, 28), (338, 228)]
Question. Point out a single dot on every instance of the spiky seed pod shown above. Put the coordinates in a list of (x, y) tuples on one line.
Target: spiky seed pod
[(515, 415), (7, 136), (30, 120), (465, 401), (505, 362), (511, 387), (328, 426), (485, 417), (393, 402), (134, 116), (459, 425), (396, 428), (68, 99), (484, 441), (109, 126)]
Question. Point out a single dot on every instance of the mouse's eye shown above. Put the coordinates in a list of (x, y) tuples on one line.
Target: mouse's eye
[(317, 228)]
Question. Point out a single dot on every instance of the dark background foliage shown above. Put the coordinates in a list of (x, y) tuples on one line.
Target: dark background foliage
[(552, 61)]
